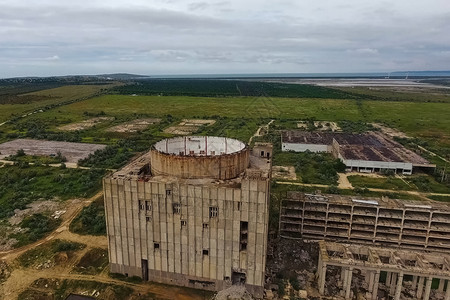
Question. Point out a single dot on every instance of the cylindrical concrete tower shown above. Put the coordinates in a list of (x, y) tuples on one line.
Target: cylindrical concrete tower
[(195, 157)]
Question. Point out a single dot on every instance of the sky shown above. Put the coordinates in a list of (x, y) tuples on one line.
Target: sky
[(169, 37)]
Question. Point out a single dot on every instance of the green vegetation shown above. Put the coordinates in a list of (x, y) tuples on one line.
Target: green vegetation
[(93, 262), (91, 220), (36, 159), (390, 182), (440, 198), (114, 292), (48, 251), (35, 227), (112, 157), (428, 184), (23, 184), (17, 104), (228, 88)]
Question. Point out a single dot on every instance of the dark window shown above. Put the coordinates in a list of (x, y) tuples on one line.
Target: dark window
[(141, 205), (183, 223), (156, 245), (205, 252), (205, 225), (168, 192), (243, 236), (239, 206), (148, 205), (213, 211), (176, 208), (262, 153), (148, 219)]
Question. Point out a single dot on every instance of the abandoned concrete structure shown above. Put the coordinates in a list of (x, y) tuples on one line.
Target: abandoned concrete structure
[(387, 222), (395, 272), (192, 212), (372, 152)]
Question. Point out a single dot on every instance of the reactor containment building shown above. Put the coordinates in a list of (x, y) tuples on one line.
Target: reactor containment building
[(192, 212)]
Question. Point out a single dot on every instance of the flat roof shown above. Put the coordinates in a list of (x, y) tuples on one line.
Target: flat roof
[(373, 146)]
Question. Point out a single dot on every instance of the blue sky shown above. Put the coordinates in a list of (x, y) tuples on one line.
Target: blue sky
[(50, 37)]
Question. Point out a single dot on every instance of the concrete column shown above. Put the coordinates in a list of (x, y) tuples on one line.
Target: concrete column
[(393, 284), (343, 274), (420, 287), (322, 278), (375, 285), (441, 285), (371, 279), (426, 295), (447, 293), (348, 288), (414, 282), (398, 289), (388, 279)]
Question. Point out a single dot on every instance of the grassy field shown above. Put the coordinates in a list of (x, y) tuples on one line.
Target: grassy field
[(423, 119), (49, 97), (389, 182), (22, 185)]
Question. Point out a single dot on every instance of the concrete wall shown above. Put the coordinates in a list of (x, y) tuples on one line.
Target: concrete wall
[(180, 259), (218, 167), (304, 147)]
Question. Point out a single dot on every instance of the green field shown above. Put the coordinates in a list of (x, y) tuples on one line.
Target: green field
[(47, 98), (390, 183), (427, 120)]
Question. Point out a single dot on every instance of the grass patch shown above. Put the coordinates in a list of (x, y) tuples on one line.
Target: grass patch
[(47, 251), (91, 220), (23, 184), (425, 183), (45, 99), (93, 262), (440, 198), (35, 228), (389, 183)]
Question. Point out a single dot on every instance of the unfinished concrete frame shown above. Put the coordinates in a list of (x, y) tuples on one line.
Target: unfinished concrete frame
[(371, 261), (390, 222), (204, 232)]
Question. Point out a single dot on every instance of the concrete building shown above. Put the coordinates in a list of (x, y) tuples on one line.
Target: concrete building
[(401, 274), (192, 212), (372, 152), (386, 222)]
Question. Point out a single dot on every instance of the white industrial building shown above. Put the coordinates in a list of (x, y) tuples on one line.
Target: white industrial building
[(372, 152)]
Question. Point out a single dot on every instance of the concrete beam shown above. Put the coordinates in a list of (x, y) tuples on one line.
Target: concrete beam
[(375, 285), (420, 287), (348, 288)]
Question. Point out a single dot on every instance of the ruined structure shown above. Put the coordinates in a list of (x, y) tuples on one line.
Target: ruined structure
[(371, 152), (192, 212), (380, 221), (393, 271)]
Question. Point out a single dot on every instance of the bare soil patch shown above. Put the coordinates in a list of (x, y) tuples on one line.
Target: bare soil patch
[(391, 132), (284, 172), (73, 152), (188, 126), (134, 126), (321, 126), (85, 124)]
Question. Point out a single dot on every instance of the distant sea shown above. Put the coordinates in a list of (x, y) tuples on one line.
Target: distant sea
[(397, 74)]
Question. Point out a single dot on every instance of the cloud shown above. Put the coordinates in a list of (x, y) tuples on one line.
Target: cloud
[(181, 37)]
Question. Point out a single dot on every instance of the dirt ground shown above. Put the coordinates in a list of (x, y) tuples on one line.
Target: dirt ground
[(321, 126), (284, 172), (85, 124), (72, 151), (188, 126), (391, 132), (134, 126), (16, 279)]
